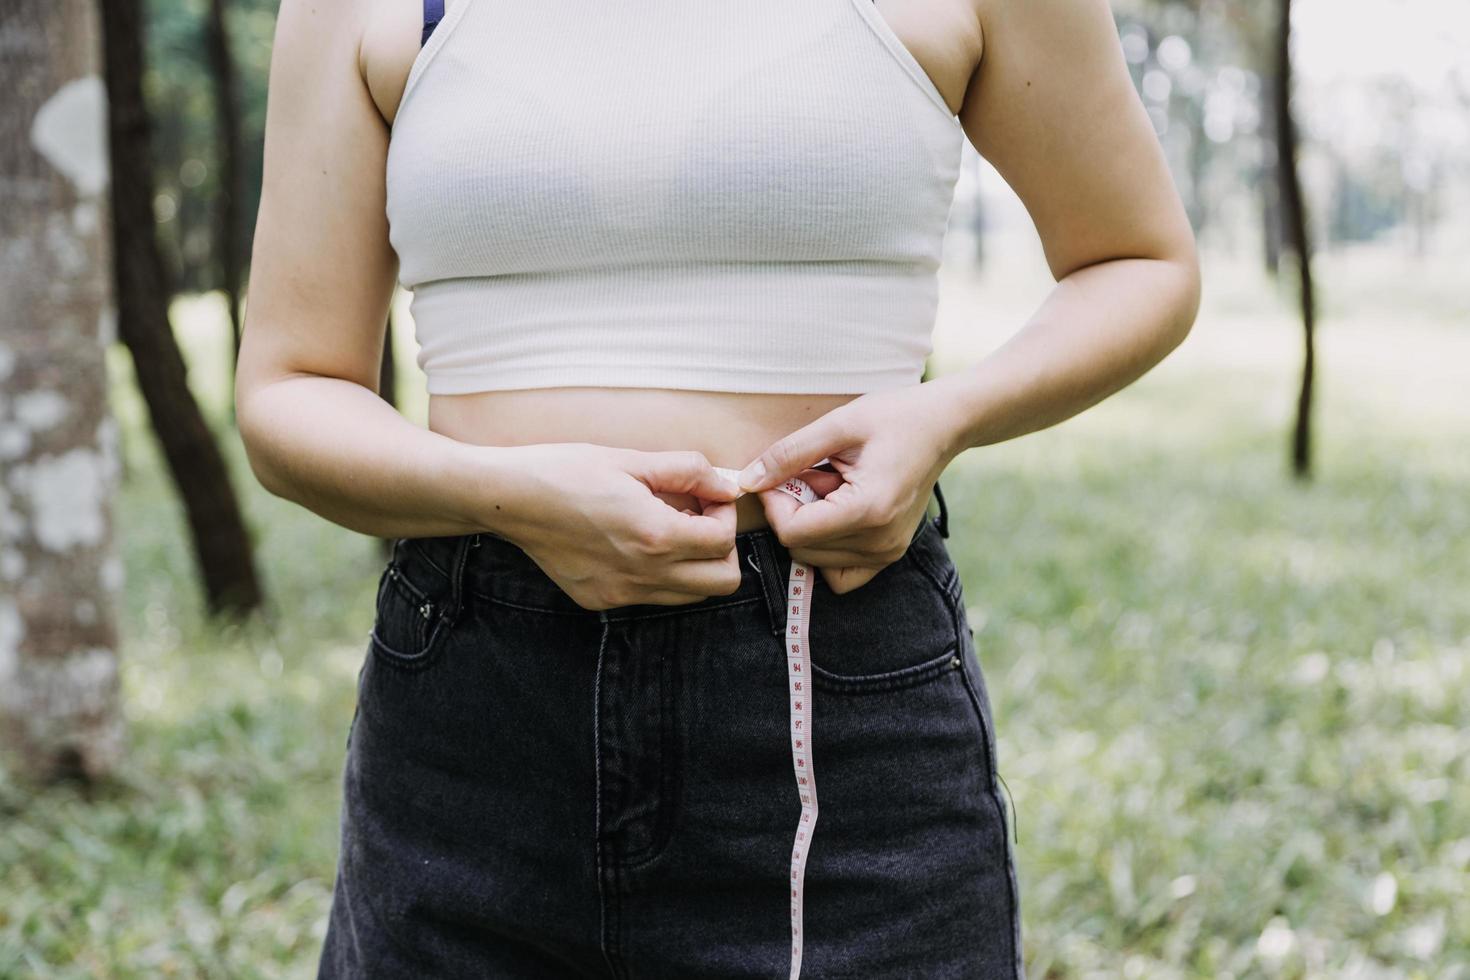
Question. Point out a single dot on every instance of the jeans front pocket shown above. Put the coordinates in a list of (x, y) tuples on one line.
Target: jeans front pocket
[(417, 602), (898, 630)]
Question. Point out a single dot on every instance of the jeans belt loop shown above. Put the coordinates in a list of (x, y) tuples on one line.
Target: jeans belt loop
[(941, 521)]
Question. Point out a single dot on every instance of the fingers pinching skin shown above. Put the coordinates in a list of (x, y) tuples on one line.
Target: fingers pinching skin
[(799, 450)]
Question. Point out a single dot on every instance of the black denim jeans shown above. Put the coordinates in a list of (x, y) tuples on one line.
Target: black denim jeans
[(533, 789)]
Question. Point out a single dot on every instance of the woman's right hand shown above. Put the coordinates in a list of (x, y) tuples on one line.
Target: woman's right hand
[(598, 520)]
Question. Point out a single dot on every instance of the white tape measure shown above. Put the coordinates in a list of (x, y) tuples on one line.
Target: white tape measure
[(799, 696)]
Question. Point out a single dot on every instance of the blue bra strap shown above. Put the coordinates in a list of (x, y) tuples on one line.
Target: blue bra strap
[(433, 14)]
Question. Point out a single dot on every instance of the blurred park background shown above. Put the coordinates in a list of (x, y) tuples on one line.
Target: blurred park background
[(1226, 627)]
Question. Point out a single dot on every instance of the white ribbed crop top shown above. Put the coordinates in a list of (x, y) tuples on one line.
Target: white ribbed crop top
[(743, 196)]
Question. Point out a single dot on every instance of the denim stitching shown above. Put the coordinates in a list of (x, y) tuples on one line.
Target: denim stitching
[(944, 583), (620, 969), (1007, 855), (597, 794), (469, 542), (457, 580), (672, 756), (409, 662), (773, 584), (405, 544), (689, 610), (945, 578), (443, 622), (527, 607), (892, 680), (428, 647), (953, 591)]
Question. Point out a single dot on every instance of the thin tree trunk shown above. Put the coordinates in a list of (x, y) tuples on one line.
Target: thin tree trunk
[(388, 390), (228, 154), (221, 543), (388, 369), (59, 705), (1293, 210)]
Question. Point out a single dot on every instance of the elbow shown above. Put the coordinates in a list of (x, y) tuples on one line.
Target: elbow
[(245, 426), (1183, 295), (257, 456), (254, 433), (264, 474)]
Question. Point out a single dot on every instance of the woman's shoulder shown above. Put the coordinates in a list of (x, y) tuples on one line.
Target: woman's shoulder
[(391, 32), (372, 43)]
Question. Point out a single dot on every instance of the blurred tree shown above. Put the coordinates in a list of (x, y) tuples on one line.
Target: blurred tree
[(387, 370), (1196, 62), (227, 139), (1294, 212), (182, 98), (1253, 26), (221, 543), (59, 703), (1261, 35), (388, 391)]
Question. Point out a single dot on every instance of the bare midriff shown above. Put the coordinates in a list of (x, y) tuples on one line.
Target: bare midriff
[(729, 428)]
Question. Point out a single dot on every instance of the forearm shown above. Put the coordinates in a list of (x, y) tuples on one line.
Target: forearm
[(1101, 328), (342, 452)]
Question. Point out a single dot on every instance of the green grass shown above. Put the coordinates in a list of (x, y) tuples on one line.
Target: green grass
[(1230, 706)]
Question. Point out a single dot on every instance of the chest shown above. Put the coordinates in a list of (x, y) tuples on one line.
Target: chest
[(765, 129)]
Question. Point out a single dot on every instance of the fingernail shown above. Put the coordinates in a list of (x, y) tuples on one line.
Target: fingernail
[(752, 475)]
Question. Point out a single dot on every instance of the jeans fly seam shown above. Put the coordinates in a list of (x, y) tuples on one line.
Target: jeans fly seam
[(597, 795), (773, 584)]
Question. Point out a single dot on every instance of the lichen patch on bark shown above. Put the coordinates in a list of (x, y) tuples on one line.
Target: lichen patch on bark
[(67, 497), (70, 131)]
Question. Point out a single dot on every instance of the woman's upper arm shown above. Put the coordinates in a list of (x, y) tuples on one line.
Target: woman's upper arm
[(1052, 107), (322, 270)]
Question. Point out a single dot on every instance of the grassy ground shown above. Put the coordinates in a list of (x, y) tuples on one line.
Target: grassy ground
[(1230, 706)]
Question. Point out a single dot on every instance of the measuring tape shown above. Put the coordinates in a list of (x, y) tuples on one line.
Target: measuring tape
[(799, 695)]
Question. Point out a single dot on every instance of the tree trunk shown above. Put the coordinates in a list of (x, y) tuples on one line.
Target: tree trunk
[(388, 369), (1293, 211), (221, 544), (59, 706), (227, 142), (388, 391)]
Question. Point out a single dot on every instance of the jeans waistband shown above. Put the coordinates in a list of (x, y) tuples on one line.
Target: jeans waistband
[(485, 566)]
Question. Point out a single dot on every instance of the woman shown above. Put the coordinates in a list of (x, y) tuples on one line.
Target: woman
[(652, 244)]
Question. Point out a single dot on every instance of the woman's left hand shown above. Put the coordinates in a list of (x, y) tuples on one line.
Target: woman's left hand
[(888, 448)]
